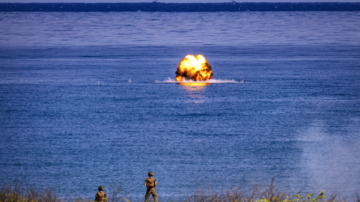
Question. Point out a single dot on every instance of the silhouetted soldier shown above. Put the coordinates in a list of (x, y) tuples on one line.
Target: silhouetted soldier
[(100, 195), (150, 183)]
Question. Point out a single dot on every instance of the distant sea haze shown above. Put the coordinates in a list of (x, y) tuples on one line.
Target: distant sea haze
[(176, 7)]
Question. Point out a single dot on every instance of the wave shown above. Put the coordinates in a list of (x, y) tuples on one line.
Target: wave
[(169, 80)]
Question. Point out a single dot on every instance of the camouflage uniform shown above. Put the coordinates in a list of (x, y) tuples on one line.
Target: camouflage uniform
[(100, 196), (150, 183)]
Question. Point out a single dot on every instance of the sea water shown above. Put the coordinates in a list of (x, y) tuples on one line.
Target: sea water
[(89, 99)]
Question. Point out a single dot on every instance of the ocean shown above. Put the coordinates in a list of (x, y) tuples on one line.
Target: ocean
[(90, 98)]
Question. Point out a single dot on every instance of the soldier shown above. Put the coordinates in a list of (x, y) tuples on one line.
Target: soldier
[(150, 183), (100, 196)]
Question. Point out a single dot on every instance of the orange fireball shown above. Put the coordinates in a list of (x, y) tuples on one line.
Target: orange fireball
[(194, 68)]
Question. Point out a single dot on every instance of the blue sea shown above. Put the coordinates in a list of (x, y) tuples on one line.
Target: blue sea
[(89, 99)]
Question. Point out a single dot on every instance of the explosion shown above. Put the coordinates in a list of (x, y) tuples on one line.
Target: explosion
[(195, 68)]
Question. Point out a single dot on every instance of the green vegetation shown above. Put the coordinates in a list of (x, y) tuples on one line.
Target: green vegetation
[(17, 192), (27, 193)]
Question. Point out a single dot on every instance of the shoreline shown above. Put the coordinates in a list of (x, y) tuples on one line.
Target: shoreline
[(22, 192)]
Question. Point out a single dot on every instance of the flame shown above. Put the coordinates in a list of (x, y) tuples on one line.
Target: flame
[(194, 68), (195, 84)]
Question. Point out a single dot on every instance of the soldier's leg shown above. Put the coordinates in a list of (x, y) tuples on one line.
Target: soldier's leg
[(154, 195), (147, 195)]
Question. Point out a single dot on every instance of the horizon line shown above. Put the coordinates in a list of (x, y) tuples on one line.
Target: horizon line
[(177, 7), (230, 2)]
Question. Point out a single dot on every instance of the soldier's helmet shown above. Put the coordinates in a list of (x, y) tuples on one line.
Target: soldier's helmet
[(101, 188), (150, 173)]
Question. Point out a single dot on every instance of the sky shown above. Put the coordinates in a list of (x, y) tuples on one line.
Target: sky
[(164, 1)]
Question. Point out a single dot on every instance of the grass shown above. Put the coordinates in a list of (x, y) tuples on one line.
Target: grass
[(17, 192), (257, 193), (26, 193)]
